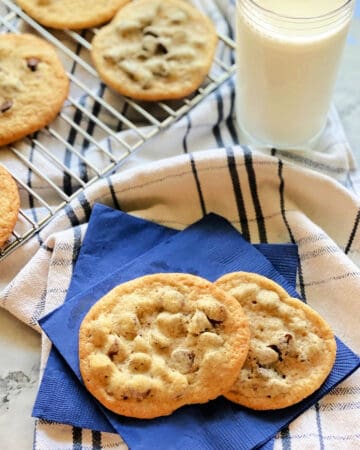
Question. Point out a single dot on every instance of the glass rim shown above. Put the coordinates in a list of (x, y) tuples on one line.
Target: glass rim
[(301, 18)]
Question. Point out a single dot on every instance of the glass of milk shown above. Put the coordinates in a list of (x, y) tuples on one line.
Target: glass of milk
[(287, 54)]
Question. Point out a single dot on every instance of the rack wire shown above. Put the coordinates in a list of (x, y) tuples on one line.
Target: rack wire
[(94, 134)]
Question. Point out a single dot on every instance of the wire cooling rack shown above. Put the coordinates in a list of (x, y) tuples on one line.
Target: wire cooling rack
[(96, 131)]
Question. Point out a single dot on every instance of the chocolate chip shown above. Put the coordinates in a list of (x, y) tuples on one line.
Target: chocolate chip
[(215, 323), (150, 33), (113, 351), (183, 360), (161, 49), (136, 395), (6, 105), (32, 63), (142, 395), (277, 350), (147, 393)]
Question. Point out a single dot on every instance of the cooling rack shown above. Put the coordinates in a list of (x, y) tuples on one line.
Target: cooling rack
[(96, 131)]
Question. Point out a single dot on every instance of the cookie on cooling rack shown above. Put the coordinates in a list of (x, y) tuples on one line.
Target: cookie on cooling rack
[(155, 50), (9, 205), (292, 349), (33, 85), (162, 341), (70, 14)]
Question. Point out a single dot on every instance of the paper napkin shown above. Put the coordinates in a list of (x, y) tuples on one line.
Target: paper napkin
[(114, 238), (209, 248)]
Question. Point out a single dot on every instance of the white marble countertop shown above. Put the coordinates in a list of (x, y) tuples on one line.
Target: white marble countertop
[(20, 346)]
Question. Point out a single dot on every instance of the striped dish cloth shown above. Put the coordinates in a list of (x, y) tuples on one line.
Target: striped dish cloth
[(195, 167)]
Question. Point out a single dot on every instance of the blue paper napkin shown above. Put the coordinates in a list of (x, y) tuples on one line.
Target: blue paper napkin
[(209, 248), (114, 238)]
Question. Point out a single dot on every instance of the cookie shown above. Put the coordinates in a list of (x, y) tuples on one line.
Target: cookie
[(9, 205), (155, 50), (75, 15), (292, 349), (33, 85), (162, 341)]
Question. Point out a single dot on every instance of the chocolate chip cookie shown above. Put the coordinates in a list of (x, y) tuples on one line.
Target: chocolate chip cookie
[(162, 341), (9, 204), (292, 349), (155, 50), (73, 14), (33, 85)]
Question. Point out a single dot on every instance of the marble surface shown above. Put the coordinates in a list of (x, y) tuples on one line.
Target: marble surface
[(20, 346), (20, 360)]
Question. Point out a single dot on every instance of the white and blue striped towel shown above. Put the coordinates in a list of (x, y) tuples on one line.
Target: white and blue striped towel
[(195, 167)]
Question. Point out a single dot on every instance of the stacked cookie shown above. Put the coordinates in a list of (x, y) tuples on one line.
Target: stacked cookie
[(162, 341)]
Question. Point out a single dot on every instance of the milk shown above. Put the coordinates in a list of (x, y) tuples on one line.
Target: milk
[(286, 68), (301, 8)]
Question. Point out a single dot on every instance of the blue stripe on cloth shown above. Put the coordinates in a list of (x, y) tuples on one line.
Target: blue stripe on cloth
[(77, 438), (96, 440), (285, 438), (240, 204), (318, 424), (230, 119), (353, 232), (254, 194), (187, 132), (114, 197), (86, 206), (216, 127), (286, 222), (197, 182)]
